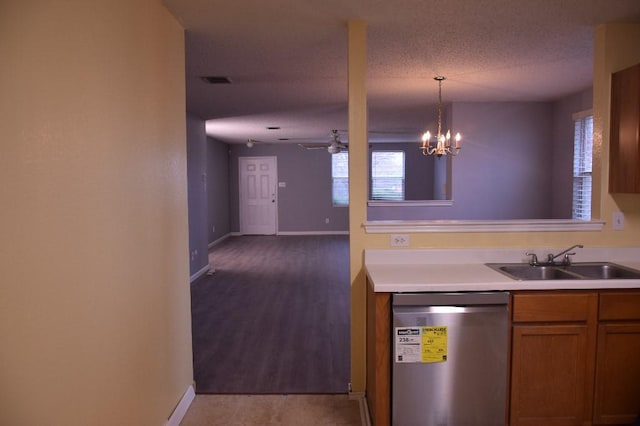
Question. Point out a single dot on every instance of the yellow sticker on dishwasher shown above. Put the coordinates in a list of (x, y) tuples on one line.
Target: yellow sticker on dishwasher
[(434, 344)]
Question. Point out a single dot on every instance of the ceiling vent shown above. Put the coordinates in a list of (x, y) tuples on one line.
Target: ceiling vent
[(216, 79)]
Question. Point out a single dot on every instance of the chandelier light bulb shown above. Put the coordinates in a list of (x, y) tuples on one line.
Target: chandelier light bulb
[(426, 137)]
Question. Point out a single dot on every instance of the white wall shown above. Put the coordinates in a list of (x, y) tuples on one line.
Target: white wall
[(94, 290)]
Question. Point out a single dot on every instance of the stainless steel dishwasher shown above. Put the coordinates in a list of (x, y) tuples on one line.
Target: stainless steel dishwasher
[(449, 359)]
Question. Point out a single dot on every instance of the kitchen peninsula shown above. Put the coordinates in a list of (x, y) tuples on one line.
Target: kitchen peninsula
[(556, 329)]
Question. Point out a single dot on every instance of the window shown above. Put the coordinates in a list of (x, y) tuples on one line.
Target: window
[(340, 178), (387, 175), (582, 162)]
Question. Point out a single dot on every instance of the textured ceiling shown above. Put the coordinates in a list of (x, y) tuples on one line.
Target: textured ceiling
[(288, 60)]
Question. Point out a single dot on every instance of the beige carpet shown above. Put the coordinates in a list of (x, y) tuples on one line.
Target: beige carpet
[(249, 410)]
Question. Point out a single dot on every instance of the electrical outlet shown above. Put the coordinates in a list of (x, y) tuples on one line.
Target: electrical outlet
[(618, 221), (399, 240), (326, 220)]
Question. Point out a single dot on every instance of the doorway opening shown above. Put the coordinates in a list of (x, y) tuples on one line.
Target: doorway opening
[(274, 317)]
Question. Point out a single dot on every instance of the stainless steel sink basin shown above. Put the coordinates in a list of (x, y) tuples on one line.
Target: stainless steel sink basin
[(519, 271), (576, 271), (603, 271)]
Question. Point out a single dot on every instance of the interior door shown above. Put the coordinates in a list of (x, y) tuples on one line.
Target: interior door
[(258, 195)]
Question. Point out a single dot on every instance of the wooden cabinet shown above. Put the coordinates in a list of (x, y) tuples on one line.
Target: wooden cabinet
[(379, 357), (552, 359), (617, 389), (575, 358), (624, 143)]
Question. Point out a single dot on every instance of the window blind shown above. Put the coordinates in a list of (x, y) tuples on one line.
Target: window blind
[(582, 167), (387, 175), (340, 178)]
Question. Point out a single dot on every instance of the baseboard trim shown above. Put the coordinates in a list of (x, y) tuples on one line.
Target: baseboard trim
[(364, 408), (182, 407), (313, 233), (219, 240), (239, 234), (200, 273)]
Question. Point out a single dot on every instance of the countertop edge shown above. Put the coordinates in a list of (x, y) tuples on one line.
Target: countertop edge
[(465, 277)]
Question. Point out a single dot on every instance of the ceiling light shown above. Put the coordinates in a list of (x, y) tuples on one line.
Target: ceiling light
[(441, 142), (250, 143)]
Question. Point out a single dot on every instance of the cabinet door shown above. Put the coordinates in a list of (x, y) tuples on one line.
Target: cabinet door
[(617, 397), (550, 376), (624, 147)]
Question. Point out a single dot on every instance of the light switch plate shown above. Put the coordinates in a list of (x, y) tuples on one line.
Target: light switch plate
[(618, 221)]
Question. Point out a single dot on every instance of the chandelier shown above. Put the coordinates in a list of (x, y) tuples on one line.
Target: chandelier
[(440, 144)]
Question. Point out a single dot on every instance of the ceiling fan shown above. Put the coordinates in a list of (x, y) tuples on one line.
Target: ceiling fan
[(334, 147)]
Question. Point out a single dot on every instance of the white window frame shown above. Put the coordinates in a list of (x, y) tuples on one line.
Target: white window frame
[(340, 179), (582, 165), (400, 177)]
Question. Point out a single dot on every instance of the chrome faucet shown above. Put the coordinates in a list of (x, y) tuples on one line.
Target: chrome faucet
[(534, 259), (567, 260)]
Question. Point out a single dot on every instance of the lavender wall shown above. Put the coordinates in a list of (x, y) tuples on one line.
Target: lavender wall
[(217, 189), (504, 169), (516, 164), (196, 170), (305, 203)]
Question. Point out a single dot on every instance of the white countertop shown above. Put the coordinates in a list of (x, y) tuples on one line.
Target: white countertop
[(444, 270)]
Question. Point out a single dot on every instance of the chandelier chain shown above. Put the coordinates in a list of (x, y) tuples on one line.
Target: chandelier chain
[(439, 107)]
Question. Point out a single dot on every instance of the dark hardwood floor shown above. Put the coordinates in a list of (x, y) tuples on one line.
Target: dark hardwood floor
[(274, 318)]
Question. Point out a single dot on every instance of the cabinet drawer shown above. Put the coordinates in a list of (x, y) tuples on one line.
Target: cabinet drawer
[(620, 306), (554, 306)]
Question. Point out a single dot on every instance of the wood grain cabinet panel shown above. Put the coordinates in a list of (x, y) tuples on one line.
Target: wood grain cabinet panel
[(617, 389), (552, 358), (552, 306), (619, 305), (549, 373), (379, 357), (624, 143)]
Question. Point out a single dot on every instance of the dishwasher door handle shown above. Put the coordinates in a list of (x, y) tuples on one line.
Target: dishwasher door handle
[(451, 299)]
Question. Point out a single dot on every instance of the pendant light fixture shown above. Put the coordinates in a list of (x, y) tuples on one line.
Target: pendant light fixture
[(441, 144)]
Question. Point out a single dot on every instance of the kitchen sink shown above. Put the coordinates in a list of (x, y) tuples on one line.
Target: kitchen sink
[(603, 271), (576, 271), (527, 272)]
